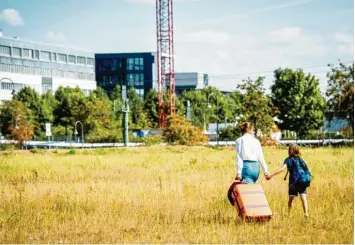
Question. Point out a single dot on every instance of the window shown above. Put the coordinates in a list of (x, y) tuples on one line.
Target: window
[(45, 56), (7, 86), (46, 85), (62, 58), (130, 64), (130, 80), (27, 53), (47, 72), (12, 86), (141, 61), (5, 50), (116, 65), (80, 60), (36, 55), (16, 51), (90, 61), (71, 59), (141, 79), (54, 57), (136, 80)]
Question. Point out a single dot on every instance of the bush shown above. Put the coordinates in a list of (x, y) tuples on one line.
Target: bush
[(152, 140), (179, 131), (8, 147), (102, 135), (37, 151), (71, 151)]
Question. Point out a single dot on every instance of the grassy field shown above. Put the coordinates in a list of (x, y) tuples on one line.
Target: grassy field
[(165, 195)]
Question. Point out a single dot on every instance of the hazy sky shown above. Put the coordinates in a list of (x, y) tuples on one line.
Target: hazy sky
[(228, 39)]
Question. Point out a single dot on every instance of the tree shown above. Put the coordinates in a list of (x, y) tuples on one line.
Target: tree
[(48, 104), (257, 108), (198, 106), (151, 107), (71, 107), (230, 133), (32, 101), (299, 101), (340, 91), (20, 125), (136, 107)]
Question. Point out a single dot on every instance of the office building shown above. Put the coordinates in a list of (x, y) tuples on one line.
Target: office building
[(43, 67), (137, 70), (190, 81)]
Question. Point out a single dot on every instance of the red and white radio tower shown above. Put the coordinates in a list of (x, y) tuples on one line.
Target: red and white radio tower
[(165, 52)]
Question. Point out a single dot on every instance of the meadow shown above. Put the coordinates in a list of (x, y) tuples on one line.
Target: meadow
[(165, 195)]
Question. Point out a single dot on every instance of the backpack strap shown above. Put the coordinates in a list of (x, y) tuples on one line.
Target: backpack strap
[(286, 174)]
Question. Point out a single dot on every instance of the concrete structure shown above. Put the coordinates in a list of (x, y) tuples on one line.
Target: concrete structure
[(190, 81), (43, 67), (136, 70)]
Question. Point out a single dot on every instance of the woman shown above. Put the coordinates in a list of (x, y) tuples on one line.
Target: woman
[(249, 155)]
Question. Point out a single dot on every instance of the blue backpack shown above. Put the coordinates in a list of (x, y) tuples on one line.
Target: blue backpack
[(301, 176)]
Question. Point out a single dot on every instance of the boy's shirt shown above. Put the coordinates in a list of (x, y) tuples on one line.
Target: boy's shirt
[(290, 161)]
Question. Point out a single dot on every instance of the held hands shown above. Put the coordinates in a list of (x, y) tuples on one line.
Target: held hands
[(268, 176)]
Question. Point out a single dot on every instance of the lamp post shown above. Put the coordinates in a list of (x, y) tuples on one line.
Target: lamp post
[(12, 82), (225, 122), (82, 133)]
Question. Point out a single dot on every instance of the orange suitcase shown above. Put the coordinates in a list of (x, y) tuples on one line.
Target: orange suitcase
[(251, 202)]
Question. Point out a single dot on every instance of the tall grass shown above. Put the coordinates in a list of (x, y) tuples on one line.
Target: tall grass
[(165, 195)]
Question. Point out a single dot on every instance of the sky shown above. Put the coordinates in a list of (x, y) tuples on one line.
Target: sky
[(230, 40)]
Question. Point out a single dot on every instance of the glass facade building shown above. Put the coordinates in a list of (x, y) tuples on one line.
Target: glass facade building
[(43, 67), (190, 81), (135, 70)]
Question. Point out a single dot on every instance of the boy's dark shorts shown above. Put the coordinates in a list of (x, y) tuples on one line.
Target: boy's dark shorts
[(295, 190)]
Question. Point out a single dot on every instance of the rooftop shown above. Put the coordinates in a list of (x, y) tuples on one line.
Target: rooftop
[(42, 43)]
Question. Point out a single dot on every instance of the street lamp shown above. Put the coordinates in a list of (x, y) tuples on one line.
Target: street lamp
[(82, 132), (225, 122), (12, 82)]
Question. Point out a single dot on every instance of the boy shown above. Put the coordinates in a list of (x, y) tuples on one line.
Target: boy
[(299, 177)]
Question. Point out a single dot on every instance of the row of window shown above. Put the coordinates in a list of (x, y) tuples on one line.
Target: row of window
[(135, 64), (45, 56), (46, 72), (132, 80), (46, 87), (11, 86)]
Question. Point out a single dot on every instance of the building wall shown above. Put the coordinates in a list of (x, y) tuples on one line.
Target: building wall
[(43, 67), (136, 70), (190, 80)]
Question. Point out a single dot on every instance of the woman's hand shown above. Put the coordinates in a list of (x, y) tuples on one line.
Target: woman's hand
[(268, 176), (238, 177)]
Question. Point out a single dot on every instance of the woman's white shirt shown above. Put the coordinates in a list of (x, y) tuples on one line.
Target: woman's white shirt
[(249, 148)]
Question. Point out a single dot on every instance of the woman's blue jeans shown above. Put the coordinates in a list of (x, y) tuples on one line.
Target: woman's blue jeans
[(250, 172)]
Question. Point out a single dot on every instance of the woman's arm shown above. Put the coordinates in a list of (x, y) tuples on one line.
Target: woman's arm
[(279, 170), (262, 160), (239, 163)]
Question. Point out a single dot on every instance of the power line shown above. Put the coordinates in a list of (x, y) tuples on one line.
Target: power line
[(265, 73)]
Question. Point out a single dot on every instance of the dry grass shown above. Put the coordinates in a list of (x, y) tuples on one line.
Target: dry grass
[(165, 195)]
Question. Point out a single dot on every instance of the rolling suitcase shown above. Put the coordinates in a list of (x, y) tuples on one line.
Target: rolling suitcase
[(250, 201)]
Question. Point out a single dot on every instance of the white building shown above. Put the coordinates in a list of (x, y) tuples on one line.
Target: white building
[(43, 67), (190, 81)]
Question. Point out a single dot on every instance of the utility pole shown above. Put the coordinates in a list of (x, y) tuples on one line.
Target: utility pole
[(125, 110)]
